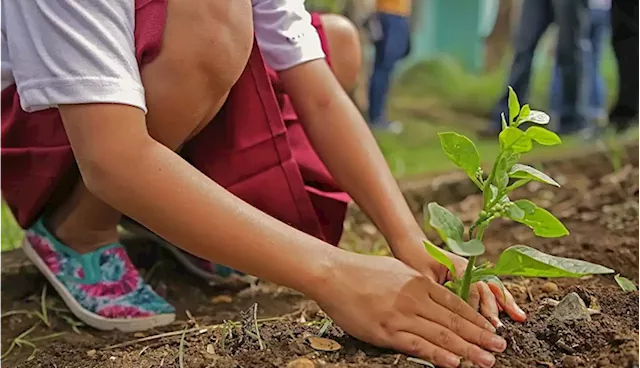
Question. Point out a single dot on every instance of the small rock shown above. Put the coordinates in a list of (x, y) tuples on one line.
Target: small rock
[(138, 334), (301, 363), (91, 352), (211, 350), (112, 358), (571, 361), (571, 308), (550, 287)]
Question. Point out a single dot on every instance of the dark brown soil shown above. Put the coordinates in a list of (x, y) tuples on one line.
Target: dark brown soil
[(600, 210)]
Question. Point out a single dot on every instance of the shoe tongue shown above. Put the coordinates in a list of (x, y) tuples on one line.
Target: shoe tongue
[(90, 261)]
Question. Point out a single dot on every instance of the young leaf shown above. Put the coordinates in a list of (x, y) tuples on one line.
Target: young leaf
[(471, 248), (445, 223), (515, 213), (543, 136), (536, 117), (520, 260), (506, 161), (517, 184), (541, 221), (514, 139), (519, 171), (461, 151), (439, 256), (503, 121), (524, 113), (514, 106), (625, 284)]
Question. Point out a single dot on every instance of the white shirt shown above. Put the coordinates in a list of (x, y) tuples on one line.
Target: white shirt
[(83, 51)]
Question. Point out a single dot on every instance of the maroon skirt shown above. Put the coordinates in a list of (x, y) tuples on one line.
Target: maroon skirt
[(255, 147)]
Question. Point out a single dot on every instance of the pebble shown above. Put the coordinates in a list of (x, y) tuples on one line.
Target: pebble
[(91, 352), (550, 287), (211, 350), (301, 363), (570, 308)]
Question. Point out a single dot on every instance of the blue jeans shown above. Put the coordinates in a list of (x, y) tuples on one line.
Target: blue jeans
[(390, 48), (572, 18), (596, 96)]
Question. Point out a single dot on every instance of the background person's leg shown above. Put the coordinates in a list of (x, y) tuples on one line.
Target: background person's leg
[(572, 17), (597, 94), (535, 18), (389, 50)]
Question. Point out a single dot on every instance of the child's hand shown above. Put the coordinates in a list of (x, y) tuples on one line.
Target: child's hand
[(487, 298), (383, 301)]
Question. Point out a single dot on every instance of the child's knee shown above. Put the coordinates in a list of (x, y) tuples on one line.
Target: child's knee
[(210, 37), (344, 48)]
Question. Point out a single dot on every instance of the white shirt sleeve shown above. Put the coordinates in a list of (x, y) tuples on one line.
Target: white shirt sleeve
[(72, 52), (284, 33)]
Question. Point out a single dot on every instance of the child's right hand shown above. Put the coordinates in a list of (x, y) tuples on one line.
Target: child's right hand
[(382, 301)]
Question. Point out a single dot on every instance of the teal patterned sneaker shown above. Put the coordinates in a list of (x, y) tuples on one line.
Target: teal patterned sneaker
[(102, 288), (211, 272)]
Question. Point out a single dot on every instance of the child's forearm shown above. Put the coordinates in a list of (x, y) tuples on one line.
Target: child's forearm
[(156, 187), (344, 142)]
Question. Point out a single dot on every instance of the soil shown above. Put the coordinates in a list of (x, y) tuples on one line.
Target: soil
[(600, 209)]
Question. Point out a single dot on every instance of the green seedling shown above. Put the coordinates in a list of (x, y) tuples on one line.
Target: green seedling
[(506, 175)]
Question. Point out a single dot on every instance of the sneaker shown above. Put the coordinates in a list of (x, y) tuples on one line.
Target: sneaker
[(392, 127), (211, 272), (102, 288)]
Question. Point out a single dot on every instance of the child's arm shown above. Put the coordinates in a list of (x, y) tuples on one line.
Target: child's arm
[(344, 142), (373, 298)]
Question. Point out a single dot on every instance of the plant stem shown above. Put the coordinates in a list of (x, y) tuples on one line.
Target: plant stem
[(468, 272)]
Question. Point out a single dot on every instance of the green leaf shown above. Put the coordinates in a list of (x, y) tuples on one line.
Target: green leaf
[(506, 161), (515, 213), (541, 221), (503, 121), (461, 151), (517, 185), (519, 171), (520, 260), (445, 223), (543, 136), (625, 284), (536, 117), (473, 247), (439, 256), (514, 139), (514, 106), (524, 112)]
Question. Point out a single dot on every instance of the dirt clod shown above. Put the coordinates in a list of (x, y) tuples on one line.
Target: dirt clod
[(550, 287), (301, 363), (571, 361)]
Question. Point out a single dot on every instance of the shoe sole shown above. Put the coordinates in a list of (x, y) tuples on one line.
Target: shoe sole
[(90, 318)]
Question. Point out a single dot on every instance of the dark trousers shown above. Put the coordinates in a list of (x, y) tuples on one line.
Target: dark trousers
[(624, 37), (572, 18)]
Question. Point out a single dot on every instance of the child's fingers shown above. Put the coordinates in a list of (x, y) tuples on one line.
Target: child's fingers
[(509, 305), (488, 305)]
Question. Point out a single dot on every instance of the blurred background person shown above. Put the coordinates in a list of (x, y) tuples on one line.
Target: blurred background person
[(572, 18), (596, 90), (390, 31), (624, 39)]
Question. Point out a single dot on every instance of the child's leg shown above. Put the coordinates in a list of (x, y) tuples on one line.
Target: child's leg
[(205, 47), (344, 46), (597, 93), (202, 56)]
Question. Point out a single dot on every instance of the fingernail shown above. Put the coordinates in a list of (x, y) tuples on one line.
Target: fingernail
[(490, 327), (498, 343), (521, 312), (496, 322), (486, 360), (453, 361)]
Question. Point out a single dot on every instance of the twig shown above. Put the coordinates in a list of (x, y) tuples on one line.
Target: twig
[(181, 349), (325, 327), (19, 340), (421, 362), (16, 312), (43, 306)]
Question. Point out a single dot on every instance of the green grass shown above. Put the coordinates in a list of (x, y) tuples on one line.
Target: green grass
[(11, 232)]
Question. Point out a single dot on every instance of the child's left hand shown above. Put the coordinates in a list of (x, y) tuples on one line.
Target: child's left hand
[(486, 297)]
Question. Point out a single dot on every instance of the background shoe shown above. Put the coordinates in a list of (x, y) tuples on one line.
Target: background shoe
[(102, 288), (393, 127), (212, 272)]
